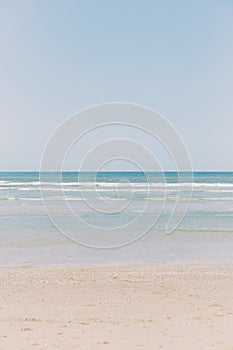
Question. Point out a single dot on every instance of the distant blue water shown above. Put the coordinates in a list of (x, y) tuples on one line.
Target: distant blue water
[(109, 209)]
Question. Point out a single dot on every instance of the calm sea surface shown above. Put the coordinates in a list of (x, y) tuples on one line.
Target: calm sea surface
[(110, 209)]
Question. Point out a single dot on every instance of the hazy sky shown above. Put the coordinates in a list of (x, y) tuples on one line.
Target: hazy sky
[(58, 57)]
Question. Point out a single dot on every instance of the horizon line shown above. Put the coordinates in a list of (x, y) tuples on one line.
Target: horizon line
[(117, 171)]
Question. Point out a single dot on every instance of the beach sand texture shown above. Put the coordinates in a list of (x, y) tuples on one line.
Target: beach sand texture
[(116, 307)]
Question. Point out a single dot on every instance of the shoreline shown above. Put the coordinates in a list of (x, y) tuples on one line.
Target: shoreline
[(186, 264), (116, 307)]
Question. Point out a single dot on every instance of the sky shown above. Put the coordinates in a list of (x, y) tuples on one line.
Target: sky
[(58, 57)]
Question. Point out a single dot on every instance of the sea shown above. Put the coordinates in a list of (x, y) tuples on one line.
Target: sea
[(116, 218)]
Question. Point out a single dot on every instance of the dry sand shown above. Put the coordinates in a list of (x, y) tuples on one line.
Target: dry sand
[(116, 308)]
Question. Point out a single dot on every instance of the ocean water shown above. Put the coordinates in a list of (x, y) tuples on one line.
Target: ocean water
[(115, 217)]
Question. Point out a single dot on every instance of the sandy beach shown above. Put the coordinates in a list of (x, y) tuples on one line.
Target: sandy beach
[(116, 307)]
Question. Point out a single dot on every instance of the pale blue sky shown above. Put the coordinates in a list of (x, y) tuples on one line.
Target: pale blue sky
[(58, 57)]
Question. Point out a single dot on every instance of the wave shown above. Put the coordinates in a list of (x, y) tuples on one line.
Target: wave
[(9, 198), (15, 183), (107, 189), (61, 198), (97, 198), (117, 184)]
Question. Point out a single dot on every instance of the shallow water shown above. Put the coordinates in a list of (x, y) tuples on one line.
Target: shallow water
[(113, 209)]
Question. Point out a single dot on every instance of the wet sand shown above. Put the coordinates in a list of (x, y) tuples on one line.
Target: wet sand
[(117, 307)]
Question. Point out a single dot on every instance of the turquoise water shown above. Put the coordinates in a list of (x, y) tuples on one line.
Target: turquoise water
[(108, 209)]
